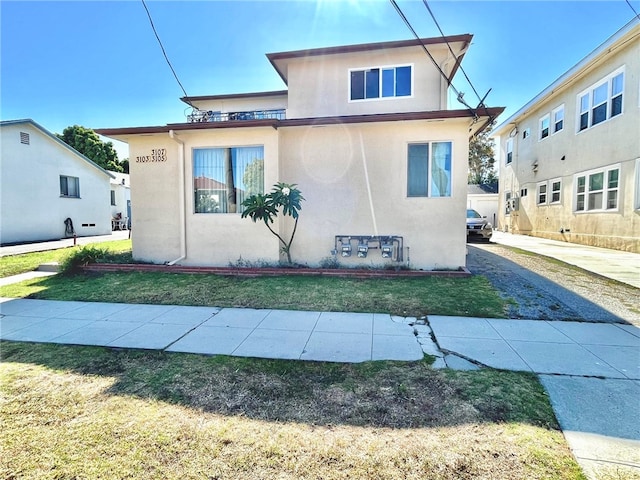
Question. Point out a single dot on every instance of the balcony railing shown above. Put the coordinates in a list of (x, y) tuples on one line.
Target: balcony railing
[(199, 116)]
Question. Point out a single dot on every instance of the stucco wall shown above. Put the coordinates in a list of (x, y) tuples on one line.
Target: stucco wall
[(319, 85), (564, 154), (32, 208), (243, 104)]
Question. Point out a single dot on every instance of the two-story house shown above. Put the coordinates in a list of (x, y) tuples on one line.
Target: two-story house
[(570, 158), (363, 130)]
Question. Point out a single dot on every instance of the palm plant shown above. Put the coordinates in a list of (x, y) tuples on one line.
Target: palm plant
[(266, 207)]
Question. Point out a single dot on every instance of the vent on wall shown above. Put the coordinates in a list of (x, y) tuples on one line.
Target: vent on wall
[(24, 138)]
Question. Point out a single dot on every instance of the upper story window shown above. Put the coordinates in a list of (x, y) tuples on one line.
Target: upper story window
[(601, 101), (526, 133), (224, 177), (69, 186), (509, 148), (544, 127), (380, 82), (558, 119), (429, 169)]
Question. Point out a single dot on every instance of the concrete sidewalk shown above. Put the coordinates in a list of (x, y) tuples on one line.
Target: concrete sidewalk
[(591, 371), (62, 243), (615, 264)]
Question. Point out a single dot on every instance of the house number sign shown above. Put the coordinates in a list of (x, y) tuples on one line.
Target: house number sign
[(157, 155)]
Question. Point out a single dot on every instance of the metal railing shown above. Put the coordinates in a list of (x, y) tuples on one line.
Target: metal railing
[(199, 116)]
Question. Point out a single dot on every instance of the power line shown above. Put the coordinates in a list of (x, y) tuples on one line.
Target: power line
[(426, 4), (631, 7), (165, 54), (459, 95)]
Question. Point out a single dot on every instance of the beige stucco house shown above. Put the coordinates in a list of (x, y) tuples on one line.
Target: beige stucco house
[(363, 130), (570, 158), (44, 182)]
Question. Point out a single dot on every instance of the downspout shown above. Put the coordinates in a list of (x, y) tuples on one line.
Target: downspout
[(182, 203)]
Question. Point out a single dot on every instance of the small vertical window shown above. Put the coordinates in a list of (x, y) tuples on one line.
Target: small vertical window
[(418, 170), (556, 187), (612, 189), (509, 148), (580, 193), (558, 119), (542, 193), (599, 110), (523, 192), (617, 86), (544, 127), (584, 112), (526, 133), (113, 197)]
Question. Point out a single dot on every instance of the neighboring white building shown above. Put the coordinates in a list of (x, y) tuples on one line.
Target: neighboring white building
[(570, 158), (484, 200), (43, 182), (363, 130), (120, 198)]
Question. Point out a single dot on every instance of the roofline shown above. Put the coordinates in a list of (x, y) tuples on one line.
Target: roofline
[(366, 47), (235, 96), (56, 139), (569, 74), (298, 122)]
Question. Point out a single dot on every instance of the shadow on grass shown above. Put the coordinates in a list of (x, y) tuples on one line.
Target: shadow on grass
[(381, 394)]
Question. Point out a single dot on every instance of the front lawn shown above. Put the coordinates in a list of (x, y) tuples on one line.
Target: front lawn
[(84, 412)]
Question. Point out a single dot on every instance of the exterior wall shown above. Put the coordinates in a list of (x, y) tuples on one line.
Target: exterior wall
[(319, 85), (158, 200), (122, 194), (562, 155), (354, 179), (243, 104), (31, 205)]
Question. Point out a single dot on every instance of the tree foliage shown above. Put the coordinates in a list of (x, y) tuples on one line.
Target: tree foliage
[(482, 158), (87, 142), (266, 207)]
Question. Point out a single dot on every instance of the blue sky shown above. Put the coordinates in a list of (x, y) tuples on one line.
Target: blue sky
[(98, 64)]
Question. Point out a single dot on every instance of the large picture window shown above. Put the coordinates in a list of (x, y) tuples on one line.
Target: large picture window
[(380, 82), (597, 190), (429, 169), (224, 177), (601, 101), (69, 186)]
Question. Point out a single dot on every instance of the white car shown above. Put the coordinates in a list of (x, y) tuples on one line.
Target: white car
[(477, 225)]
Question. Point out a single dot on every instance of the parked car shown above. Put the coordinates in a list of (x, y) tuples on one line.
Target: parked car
[(477, 225)]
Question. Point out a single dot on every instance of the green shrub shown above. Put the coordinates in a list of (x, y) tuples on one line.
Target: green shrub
[(82, 257)]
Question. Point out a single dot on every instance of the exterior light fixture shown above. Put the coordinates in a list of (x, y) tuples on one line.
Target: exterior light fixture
[(345, 249), (363, 249), (387, 250)]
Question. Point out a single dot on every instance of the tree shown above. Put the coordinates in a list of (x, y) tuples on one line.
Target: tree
[(481, 158), (87, 142), (265, 208)]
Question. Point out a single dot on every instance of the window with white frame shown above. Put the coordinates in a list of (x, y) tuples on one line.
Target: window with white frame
[(509, 150), (542, 193), (601, 101), (429, 169), (69, 186), (544, 127), (113, 197), (380, 82), (224, 177), (597, 190), (558, 119), (555, 186)]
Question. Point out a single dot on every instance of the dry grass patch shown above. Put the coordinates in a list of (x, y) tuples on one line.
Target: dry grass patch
[(78, 412)]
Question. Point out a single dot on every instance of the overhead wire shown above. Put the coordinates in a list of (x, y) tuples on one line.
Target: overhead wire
[(153, 27), (634, 10)]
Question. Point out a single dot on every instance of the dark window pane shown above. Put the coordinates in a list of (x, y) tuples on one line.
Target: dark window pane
[(612, 199), (559, 126), (403, 81), (584, 121), (357, 85), (373, 83), (418, 171), (545, 133), (388, 82), (599, 114), (616, 106)]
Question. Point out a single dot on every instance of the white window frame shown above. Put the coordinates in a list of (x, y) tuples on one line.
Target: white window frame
[(551, 191), (380, 68), (541, 129), (605, 190), (64, 192), (430, 159), (555, 121), (588, 105), (539, 193), (508, 151)]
